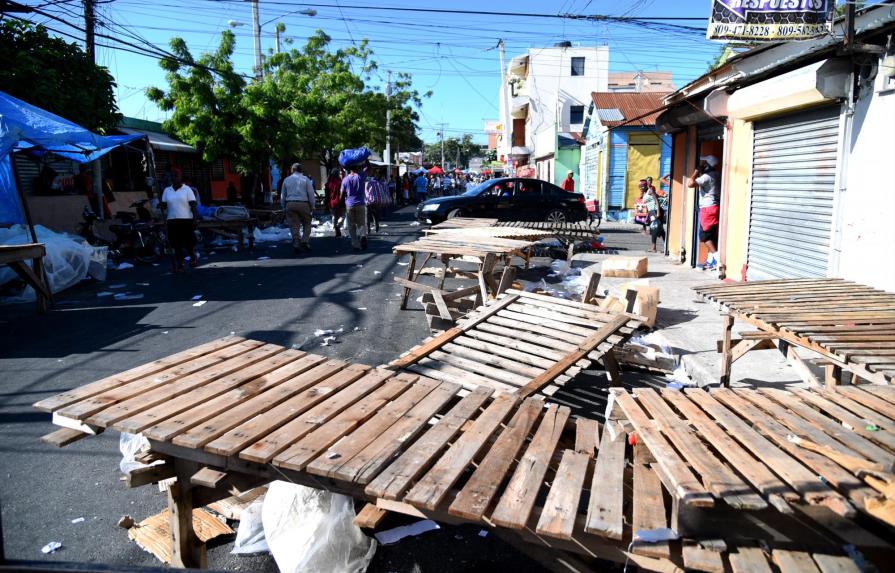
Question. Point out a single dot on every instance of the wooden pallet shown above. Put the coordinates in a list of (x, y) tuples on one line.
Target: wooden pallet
[(851, 325), (234, 414), (522, 342), (16, 257)]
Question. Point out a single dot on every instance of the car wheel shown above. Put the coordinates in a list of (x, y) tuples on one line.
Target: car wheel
[(453, 214), (555, 216)]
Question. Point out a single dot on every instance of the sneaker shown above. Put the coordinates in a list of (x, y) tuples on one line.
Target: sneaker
[(363, 243)]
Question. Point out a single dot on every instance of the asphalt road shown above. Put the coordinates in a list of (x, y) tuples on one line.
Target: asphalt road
[(282, 299)]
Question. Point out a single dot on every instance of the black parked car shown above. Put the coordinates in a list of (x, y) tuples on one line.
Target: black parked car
[(508, 199)]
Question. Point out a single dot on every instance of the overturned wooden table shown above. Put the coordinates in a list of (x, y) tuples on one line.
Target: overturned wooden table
[(852, 326), (16, 258), (238, 413), (240, 229)]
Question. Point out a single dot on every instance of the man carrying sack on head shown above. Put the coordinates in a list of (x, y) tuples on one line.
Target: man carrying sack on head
[(297, 199)]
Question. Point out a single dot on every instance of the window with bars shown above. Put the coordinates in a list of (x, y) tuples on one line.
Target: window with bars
[(578, 66), (576, 114)]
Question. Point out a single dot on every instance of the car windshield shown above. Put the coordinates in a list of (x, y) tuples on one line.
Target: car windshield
[(476, 190)]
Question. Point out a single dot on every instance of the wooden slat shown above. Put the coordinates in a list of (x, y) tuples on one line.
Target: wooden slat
[(365, 465), (649, 506), (88, 390), (586, 346), (475, 497), (749, 560), (447, 373), (854, 422), (561, 508), (553, 343), (858, 394), (254, 429), (700, 559), (587, 436), (299, 454), (517, 351), (63, 437), (82, 409), (396, 478), (208, 477), (794, 561), (605, 514), (272, 444), (430, 490), (165, 421), (475, 367), (370, 516), (519, 497), (675, 473), (238, 412), (835, 564)]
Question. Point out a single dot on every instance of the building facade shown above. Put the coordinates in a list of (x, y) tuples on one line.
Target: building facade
[(544, 100), (622, 146), (805, 132)]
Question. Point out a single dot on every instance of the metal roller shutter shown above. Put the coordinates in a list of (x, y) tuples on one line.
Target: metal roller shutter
[(793, 186)]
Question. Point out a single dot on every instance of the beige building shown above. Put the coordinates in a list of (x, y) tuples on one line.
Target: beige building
[(640, 81)]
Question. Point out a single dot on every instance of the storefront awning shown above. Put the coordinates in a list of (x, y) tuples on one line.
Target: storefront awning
[(161, 141)]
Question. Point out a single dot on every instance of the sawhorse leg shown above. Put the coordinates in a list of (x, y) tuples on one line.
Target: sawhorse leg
[(725, 351), (410, 266), (186, 549), (610, 363)]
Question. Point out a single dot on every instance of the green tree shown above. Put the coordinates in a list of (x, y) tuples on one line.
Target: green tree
[(56, 75), (205, 98), (457, 151)]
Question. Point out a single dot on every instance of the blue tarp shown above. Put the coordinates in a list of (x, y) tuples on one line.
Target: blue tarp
[(24, 126)]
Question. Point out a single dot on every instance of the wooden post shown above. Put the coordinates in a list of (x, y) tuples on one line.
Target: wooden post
[(186, 549), (506, 279), (410, 266), (444, 260), (832, 375), (631, 298), (725, 350), (610, 363), (43, 298), (591, 291)]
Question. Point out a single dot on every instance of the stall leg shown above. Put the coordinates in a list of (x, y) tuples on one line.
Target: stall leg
[(186, 549), (410, 268), (444, 261), (726, 359), (43, 297), (610, 363), (832, 375)]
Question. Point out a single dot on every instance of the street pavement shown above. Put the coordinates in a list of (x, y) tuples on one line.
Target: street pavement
[(282, 299)]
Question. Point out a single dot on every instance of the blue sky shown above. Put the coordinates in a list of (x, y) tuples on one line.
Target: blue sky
[(452, 55)]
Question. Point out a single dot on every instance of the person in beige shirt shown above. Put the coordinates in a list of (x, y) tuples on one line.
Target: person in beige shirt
[(297, 199)]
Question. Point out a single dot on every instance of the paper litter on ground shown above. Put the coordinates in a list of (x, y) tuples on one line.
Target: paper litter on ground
[(128, 296), (395, 535), (124, 266), (321, 332), (271, 235), (200, 303), (117, 286), (154, 533), (197, 297), (77, 520), (51, 547), (263, 258)]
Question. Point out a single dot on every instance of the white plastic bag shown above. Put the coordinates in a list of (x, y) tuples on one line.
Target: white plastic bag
[(131, 445), (310, 531), (65, 263), (250, 534)]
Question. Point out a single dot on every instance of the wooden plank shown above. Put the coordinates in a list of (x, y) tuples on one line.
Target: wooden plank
[(850, 420), (272, 444), (584, 347), (88, 390), (366, 464), (63, 437), (430, 490), (299, 454), (396, 478), (863, 412), (417, 353), (716, 476), (561, 508), (792, 472), (208, 477), (254, 429), (751, 468), (649, 505), (673, 471), (244, 367), (447, 373), (605, 512), (701, 559), (794, 561), (146, 475), (475, 367), (370, 516), (516, 351), (858, 394), (518, 499), (443, 310), (748, 560), (554, 343), (590, 292), (165, 421), (200, 434), (835, 564), (587, 436), (475, 498)]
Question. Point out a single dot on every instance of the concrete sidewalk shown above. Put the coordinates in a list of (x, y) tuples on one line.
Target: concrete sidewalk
[(688, 326)]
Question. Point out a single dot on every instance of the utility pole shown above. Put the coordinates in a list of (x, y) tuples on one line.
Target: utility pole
[(256, 31), (505, 94), (388, 126), (89, 26), (278, 36), (441, 135)]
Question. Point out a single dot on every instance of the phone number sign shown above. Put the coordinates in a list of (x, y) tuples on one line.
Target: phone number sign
[(769, 20)]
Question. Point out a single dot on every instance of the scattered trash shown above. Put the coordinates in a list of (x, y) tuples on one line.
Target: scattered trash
[(117, 286), (197, 297), (377, 272), (142, 284), (356, 328), (359, 266), (165, 332), (272, 235), (871, 428), (124, 266), (126, 522), (327, 340), (101, 294), (51, 547), (128, 296), (483, 533), (77, 520), (250, 534), (153, 534), (263, 258), (414, 223), (361, 308), (395, 535), (321, 332), (200, 303), (296, 518), (355, 291), (655, 535), (403, 264)]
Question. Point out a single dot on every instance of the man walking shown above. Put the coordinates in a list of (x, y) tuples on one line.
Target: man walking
[(708, 184), (421, 185), (353, 187), (297, 199)]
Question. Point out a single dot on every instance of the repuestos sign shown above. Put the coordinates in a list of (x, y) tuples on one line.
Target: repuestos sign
[(769, 20)]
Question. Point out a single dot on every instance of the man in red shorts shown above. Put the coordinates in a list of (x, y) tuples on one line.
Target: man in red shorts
[(707, 182)]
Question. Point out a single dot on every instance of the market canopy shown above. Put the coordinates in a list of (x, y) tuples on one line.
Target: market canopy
[(27, 127)]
